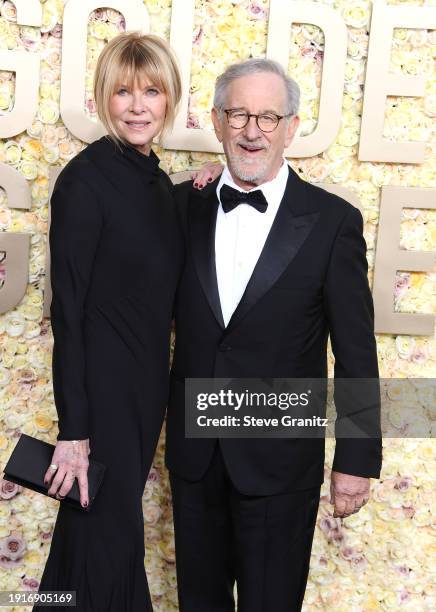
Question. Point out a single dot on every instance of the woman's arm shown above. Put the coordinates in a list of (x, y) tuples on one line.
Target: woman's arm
[(76, 224)]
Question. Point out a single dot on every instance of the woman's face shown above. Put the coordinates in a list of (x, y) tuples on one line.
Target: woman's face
[(138, 113)]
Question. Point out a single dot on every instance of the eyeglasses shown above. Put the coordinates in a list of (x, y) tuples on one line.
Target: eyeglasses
[(266, 122)]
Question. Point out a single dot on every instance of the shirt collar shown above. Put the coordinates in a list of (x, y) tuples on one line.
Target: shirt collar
[(269, 189)]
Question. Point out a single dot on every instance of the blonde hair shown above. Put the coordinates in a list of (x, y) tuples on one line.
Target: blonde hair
[(127, 57)]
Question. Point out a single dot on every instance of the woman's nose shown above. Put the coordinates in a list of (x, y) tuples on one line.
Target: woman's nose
[(138, 104)]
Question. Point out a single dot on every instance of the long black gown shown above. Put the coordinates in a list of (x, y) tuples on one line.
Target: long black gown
[(116, 254)]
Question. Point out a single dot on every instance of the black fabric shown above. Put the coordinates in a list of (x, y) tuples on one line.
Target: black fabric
[(116, 254), (310, 281), (262, 543), (231, 198), (29, 462)]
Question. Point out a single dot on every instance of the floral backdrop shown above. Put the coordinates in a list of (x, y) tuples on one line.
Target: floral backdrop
[(378, 559)]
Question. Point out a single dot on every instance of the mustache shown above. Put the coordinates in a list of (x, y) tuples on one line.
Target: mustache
[(252, 144)]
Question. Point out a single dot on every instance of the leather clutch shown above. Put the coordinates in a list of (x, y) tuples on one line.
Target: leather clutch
[(29, 462)]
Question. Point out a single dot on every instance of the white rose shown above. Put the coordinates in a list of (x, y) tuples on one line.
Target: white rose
[(48, 112), (14, 324), (405, 346), (29, 169), (356, 13), (8, 11), (13, 152), (51, 155)]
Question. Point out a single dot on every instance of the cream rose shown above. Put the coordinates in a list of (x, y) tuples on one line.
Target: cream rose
[(48, 112)]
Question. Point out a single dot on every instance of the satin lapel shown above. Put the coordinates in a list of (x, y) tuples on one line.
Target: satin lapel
[(288, 233), (202, 220)]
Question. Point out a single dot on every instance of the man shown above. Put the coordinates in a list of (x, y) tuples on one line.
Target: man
[(267, 277)]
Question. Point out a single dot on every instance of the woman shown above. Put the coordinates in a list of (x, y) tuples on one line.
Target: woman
[(116, 255)]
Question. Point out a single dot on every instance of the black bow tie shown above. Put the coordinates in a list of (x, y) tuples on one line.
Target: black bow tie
[(231, 198)]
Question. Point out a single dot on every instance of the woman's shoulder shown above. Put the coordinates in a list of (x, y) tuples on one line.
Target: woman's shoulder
[(84, 166)]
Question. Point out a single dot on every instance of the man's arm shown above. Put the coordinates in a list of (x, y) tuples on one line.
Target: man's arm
[(350, 311)]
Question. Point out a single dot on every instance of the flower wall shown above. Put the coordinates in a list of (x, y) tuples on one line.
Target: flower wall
[(378, 559)]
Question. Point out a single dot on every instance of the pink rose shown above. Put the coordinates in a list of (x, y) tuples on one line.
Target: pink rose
[(192, 122), (419, 355), (30, 584), (402, 283), (57, 31), (403, 483), (7, 563), (359, 563), (403, 570), (404, 596), (257, 12), (153, 476), (8, 489), (12, 547), (408, 511), (348, 552)]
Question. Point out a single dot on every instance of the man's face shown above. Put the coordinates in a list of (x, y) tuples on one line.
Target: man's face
[(254, 157)]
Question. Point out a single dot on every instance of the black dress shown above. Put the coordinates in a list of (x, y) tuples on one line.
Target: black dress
[(116, 255)]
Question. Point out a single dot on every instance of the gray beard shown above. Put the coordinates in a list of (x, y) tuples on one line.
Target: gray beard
[(245, 174)]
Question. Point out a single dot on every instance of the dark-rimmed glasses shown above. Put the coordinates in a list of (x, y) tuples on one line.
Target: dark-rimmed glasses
[(266, 122)]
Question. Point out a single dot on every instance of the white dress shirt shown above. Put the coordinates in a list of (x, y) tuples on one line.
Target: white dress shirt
[(239, 238)]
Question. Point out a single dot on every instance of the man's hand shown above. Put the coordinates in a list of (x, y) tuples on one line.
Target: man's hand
[(348, 493)]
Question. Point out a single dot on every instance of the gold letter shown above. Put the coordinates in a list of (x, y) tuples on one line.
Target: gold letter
[(74, 39), (26, 67), (281, 16), (380, 83), (14, 247), (390, 258)]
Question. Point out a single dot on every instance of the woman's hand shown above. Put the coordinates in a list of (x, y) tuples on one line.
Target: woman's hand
[(206, 174), (71, 459)]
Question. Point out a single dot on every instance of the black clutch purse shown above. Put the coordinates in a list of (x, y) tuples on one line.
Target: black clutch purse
[(29, 462)]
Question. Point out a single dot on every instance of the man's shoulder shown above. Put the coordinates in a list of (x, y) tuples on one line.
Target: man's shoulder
[(334, 202), (327, 203)]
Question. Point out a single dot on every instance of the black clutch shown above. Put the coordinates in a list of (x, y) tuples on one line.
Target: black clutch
[(29, 462)]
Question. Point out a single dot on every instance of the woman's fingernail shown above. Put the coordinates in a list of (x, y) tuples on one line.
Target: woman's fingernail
[(85, 504), (209, 180), (195, 184)]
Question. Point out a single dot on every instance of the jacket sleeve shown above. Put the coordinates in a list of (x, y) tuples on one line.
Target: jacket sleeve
[(76, 224), (350, 312)]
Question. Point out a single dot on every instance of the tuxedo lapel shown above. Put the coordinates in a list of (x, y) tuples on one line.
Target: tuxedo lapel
[(202, 220), (292, 225)]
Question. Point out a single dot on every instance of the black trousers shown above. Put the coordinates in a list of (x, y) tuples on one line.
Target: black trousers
[(222, 536)]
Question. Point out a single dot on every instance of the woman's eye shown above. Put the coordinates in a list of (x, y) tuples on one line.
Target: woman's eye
[(152, 91), (122, 91)]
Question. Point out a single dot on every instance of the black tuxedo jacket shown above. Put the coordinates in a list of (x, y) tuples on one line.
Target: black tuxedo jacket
[(310, 280)]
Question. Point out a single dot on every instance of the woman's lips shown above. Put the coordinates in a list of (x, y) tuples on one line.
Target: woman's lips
[(137, 126)]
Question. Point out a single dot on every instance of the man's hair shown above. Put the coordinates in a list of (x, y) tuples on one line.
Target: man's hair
[(133, 55), (254, 66)]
